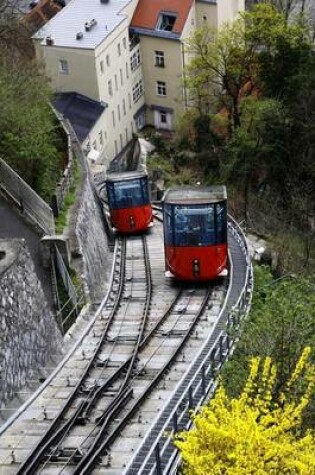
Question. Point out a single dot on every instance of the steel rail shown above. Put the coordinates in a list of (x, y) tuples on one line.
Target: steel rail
[(116, 402), (85, 468), (36, 394), (34, 459)]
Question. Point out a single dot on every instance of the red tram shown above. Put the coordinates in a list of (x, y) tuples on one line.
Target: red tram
[(195, 232), (129, 201)]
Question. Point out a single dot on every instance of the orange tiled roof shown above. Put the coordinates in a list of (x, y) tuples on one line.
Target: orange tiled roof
[(147, 13), (41, 13)]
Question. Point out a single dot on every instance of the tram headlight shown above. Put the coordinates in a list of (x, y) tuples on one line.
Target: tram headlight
[(196, 267), (131, 221)]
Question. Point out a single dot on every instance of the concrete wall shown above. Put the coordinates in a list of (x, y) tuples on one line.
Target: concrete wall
[(228, 10), (171, 74), (29, 335)]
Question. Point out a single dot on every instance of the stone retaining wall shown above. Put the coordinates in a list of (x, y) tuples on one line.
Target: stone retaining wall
[(29, 335), (92, 239)]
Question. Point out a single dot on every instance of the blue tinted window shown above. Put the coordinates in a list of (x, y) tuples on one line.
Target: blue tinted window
[(128, 193), (168, 225), (195, 225)]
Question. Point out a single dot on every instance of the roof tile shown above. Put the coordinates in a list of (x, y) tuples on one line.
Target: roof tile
[(147, 13)]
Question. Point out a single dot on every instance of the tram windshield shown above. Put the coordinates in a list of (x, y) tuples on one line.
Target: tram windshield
[(128, 193), (195, 225)]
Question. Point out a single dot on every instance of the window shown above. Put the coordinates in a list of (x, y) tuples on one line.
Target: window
[(132, 129), (63, 66), (100, 135), (128, 193), (124, 106), (127, 71), (107, 60), (113, 117), (163, 117), (129, 100), (140, 121), (161, 88), (124, 43), (118, 111), (94, 145), (116, 82), (119, 49), (126, 133), (137, 91), (193, 225), (159, 59), (121, 77), (166, 22), (110, 88), (116, 147), (102, 66), (135, 60), (121, 141)]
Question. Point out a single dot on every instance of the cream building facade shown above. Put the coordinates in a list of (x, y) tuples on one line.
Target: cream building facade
[(128, 56)]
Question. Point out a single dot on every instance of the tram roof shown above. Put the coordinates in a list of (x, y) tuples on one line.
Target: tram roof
[(119, 176), (195, 194)]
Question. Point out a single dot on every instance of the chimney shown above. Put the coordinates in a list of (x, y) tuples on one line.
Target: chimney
[(49, 41), (89, 24)]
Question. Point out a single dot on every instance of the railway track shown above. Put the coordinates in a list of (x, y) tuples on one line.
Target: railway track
[(109, 407)]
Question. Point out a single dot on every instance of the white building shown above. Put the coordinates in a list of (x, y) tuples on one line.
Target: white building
[(125, 57)]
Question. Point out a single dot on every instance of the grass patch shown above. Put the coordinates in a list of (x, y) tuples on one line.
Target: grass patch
[(61, 219)]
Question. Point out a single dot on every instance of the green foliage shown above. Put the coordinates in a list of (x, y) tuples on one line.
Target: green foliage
[(172, 172), (62, 218), (257, 77), (285, 50), (29, 138), (221, 66), (280, 324)]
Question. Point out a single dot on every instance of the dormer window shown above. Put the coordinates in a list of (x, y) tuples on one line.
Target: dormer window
[(166, 21)]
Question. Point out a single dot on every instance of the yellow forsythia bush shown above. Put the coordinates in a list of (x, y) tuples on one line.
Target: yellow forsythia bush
[(254, 435)]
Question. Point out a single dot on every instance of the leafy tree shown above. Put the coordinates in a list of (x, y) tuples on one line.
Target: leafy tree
[(15, 36), (254, 433), (252, 149), (221, 66), (281, 323), (284, 51), (290, 8), (269, 139), (29, 141)]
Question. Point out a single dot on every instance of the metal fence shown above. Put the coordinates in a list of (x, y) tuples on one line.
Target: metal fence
[(30, 203), (69, 310)]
